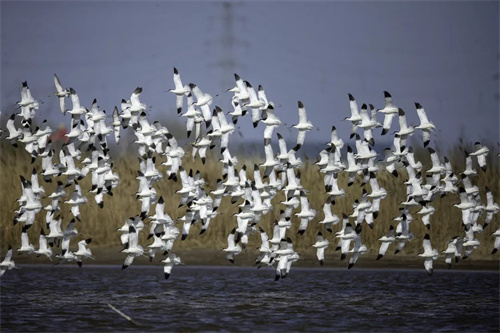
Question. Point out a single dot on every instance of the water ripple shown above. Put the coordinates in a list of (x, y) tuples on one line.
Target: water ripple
[(218, 299)]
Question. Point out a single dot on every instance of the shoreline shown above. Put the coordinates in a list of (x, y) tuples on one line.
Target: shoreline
[(206, 257)]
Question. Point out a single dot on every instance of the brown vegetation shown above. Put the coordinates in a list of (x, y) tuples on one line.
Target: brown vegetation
[(101, 224)]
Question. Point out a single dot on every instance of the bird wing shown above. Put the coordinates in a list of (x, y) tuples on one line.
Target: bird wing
[(302, 113), (8, 255), (354, 106), (383, 248), (57, 84), (427, 244), (74, 99), (128, 260), (320, 253), (301, 137), (134, 98), (422, 115), (177, 80), (428, 265), (133, 239), (388, 121)]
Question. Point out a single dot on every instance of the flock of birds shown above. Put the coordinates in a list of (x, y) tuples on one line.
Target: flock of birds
[(85, 154)]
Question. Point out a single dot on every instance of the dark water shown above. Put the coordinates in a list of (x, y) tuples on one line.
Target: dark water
[(67, 298)]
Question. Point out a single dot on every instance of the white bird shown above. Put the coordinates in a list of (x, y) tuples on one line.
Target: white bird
[(471, 190), (470, 242), (200, 147), (237, 110), (404, 129), (169, 262), (264, 256), (43, 248), (125, 115), (323, 160), (144, 127), (7, 262), (437, 166), (180, 90), (426, 212), (134, 221), (283, 154), (303, 126), (480, 152), (306, 214), (160, 216), (32, 205), (271, 122), (14, 133), (66, 255), (83, 251), (377, 191), (333, 167), (77, 109), (35, 185), (321, 245), (69, 232), (285, 255), (61, 93), (295, 162), (389, 111), (469, 169), (77, 199), (355, 117), (135, 104), (261, 94), (358, 248), (116, 125), (257, 104), (451, 251), (367, 124), (386, 240), (496, 246), (26, 246), (353, 168), (225, 128), (425, 125), (27, 100), (203, 100), (429, 254), (329, 218), (399, 146), (55, 231), (346, 235), (133, 249), (271, 161), (240, 90), (335, 140), (465, 205), (76, 129), (390, 162), (232, 248), (193, 117), (403, 233), (410, 158), (156, 231), (43, 140), (491, 207)]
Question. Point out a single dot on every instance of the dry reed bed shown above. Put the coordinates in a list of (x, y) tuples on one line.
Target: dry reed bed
[(101, 224)]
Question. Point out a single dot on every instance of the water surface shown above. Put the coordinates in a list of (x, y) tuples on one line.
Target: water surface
[(46, 298)]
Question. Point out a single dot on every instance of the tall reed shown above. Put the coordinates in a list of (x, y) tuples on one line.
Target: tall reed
[(101, 224)]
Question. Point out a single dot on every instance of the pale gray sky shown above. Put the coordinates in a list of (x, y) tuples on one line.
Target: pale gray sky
[(444, 55)]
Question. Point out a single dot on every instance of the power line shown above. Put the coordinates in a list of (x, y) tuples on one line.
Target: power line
[(228, 61)]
